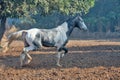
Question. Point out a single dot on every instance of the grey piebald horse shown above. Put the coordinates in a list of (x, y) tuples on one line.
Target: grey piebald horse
[(56, 37)]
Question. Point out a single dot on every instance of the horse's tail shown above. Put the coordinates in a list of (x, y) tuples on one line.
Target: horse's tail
[(13, 36), (10, 30)]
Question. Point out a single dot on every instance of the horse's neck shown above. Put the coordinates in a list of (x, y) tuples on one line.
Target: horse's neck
[(66, 28), (70, 27), (69, 31)]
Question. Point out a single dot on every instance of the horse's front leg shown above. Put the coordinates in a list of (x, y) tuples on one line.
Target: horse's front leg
[(64, 51), (58, 59), (61, 52), (22, 58)]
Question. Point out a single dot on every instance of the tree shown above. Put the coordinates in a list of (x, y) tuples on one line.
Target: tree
[(106, 13), (64, 6), (22, 8)]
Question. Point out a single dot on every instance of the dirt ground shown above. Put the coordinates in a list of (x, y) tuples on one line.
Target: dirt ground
[(86, 60)]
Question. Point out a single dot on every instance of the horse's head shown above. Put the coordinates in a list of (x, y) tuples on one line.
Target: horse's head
[(79, 23)]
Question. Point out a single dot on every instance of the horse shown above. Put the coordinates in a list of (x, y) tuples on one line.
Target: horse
[(4, 42), (56, 37)]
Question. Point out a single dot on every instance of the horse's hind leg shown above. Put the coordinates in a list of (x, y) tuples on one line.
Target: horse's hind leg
[(58, 59), (29, 59), (24, 55), (22, 58)]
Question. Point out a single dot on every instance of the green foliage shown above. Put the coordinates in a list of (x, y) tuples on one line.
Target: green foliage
[(65, 6), (18, 8), (104, 16)]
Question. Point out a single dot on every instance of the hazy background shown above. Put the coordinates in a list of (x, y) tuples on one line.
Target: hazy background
[(103, 21)]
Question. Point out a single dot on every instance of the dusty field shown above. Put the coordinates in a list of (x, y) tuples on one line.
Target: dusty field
[(86, 60)]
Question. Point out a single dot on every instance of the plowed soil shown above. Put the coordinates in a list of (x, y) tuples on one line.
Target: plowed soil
[(86, 60)]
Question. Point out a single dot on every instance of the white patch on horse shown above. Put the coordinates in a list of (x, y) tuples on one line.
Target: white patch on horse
[(30, 36), (61, 36), (64, 27), (32, 33), (50, 36), (27, 49)]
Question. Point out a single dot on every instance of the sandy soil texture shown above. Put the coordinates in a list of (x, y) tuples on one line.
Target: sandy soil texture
[(86, 60)]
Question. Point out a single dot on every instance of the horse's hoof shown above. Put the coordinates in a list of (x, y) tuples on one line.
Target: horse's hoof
[(27, 62), (59, 65), (23, 65)]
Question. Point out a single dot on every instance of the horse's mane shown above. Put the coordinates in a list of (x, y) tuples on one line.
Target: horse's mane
[(72, 17)]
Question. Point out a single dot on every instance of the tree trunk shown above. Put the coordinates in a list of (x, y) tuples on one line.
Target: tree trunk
[(2, 28)]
